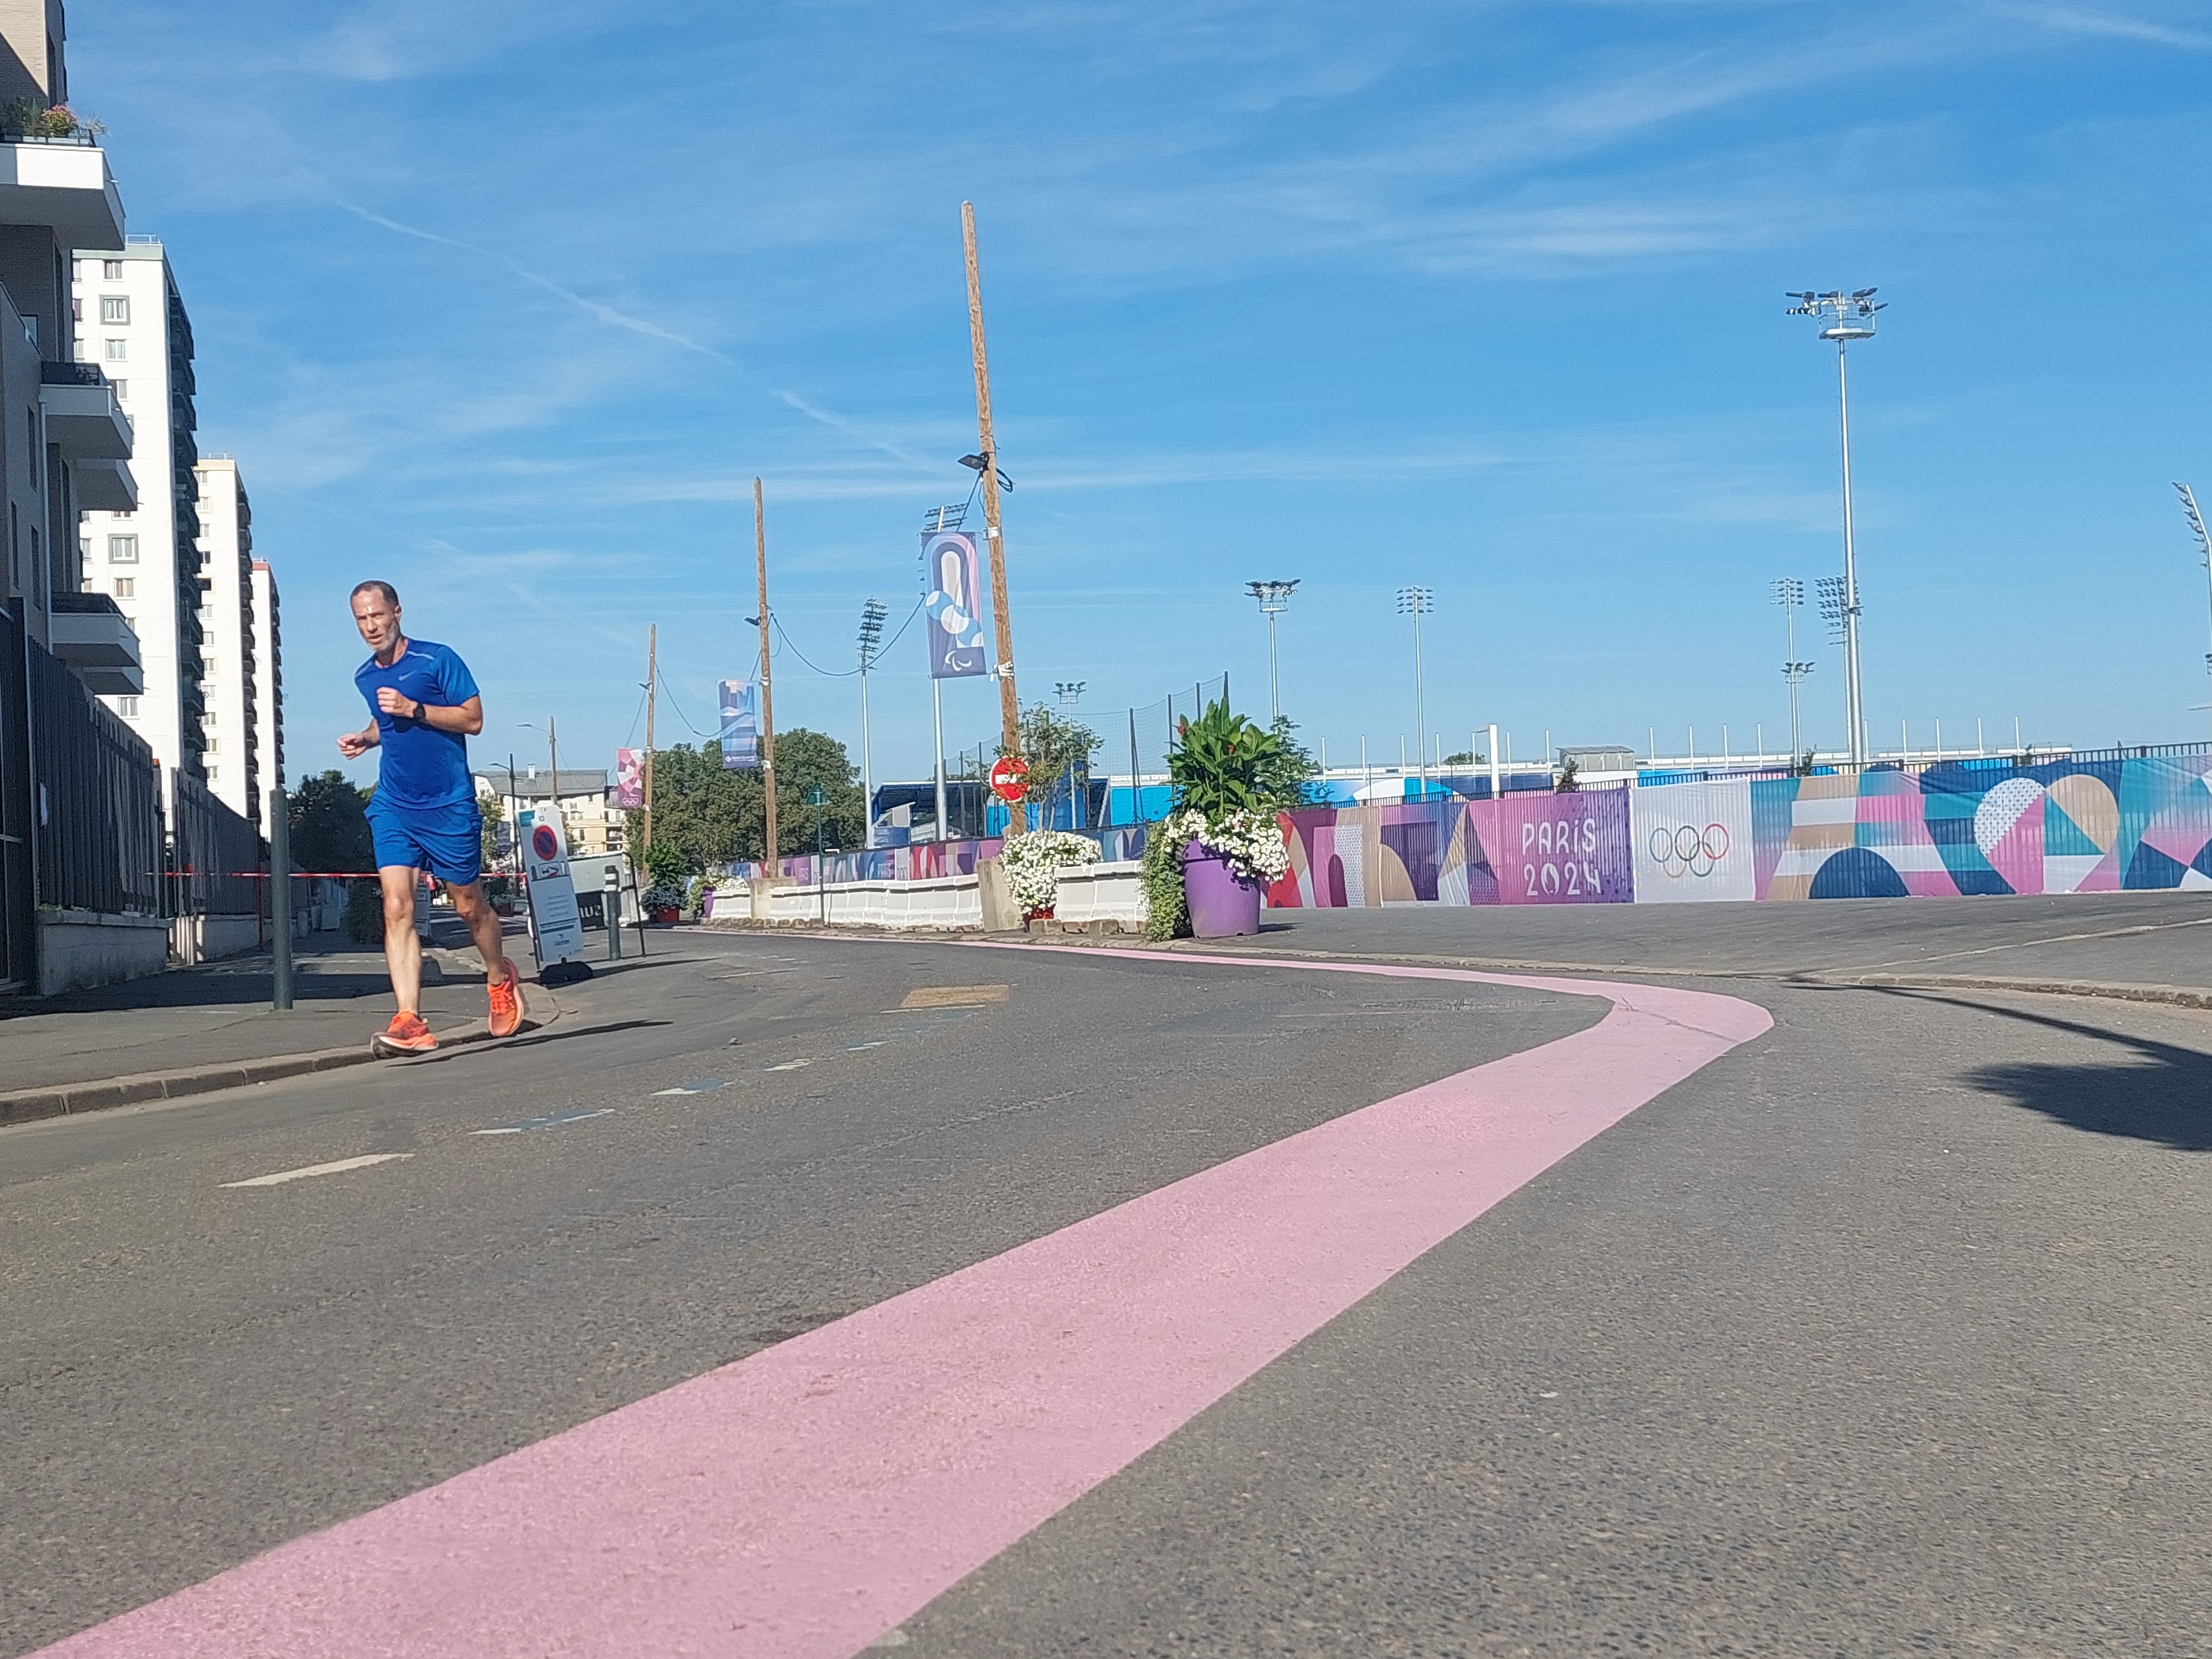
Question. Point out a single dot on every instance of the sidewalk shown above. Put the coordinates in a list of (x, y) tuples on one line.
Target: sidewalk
[(196, 1028)]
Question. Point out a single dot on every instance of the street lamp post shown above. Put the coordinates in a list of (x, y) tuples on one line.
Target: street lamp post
[(871, 643), (1844, 317), (1416, 602), (2204, 543), (1789, 594), (1078, 805), (1274, 600)]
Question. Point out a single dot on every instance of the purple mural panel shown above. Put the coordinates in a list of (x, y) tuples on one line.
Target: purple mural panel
[(1557, 849)]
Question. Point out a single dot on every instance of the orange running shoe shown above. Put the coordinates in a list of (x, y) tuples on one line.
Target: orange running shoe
[(406, 1035), (507, 1002)]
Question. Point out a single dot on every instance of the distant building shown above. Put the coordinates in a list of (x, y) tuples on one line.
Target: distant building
[(268, 666), (230, 677), (593, 825)]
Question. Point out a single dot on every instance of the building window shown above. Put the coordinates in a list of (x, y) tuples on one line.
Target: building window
[(208, 745), (210, 773), (117, 351), (30, 331), (77, 311), (114, 307), (126, 587), (127, 706), (122, 390), (111, 270), (123, 550)]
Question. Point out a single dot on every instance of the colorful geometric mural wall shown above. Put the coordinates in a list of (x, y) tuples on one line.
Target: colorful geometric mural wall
[(1519, 849), (1959, 828)]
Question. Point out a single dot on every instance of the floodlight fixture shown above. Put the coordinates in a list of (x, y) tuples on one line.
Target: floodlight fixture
[(939, 519), (977, 463), (1071, 691), (2204, 540)]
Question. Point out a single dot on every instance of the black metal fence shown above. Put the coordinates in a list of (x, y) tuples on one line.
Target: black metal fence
[(217, 864), (96, 805)]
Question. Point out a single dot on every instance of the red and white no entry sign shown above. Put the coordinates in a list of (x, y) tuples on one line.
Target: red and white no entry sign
[(1010, 779)]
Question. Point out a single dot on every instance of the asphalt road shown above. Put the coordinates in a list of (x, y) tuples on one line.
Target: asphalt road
[(1884, 1332)]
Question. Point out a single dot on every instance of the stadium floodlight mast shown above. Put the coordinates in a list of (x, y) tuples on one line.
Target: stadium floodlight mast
[(1789, 594), (1844, 317), (2203, 544), (1274, 600), (1417, 602), (871, 645)]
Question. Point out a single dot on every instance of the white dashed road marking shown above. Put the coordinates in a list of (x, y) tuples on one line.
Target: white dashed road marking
[(338, 1167)]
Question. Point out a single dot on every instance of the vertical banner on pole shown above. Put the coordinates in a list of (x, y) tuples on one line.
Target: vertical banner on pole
[(630, 781), (740, 731), (951, 571)]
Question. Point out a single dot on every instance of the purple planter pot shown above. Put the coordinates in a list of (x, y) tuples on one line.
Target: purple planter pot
[(1222, 904)]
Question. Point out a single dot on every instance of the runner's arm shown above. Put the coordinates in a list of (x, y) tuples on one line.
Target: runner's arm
[(354, 744), (466, 718)]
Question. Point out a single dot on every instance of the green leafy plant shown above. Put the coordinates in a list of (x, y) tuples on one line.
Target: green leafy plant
[(1167, 911), (664, 865), (1223, 763)]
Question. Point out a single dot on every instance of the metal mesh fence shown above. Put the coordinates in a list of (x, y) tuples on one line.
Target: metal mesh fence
[(1128, 770), (98, 812)]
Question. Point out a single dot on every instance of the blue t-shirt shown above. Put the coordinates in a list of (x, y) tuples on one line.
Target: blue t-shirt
[(421, 765)]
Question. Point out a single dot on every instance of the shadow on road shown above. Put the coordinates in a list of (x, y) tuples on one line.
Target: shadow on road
[(446, 1055), (2164, 1094)]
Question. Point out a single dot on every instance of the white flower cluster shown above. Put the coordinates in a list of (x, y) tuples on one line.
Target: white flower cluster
[(1251, 842), (1030, 860)]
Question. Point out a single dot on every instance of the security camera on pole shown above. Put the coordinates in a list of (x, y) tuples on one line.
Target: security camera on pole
[(1844, 317)]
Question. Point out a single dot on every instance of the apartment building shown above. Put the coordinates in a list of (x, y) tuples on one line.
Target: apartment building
[(268, 668), (79, 882), (230, 673), (132, 330)]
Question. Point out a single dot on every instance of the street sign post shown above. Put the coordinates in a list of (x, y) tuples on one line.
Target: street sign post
[(1010, 779), (556, 928)]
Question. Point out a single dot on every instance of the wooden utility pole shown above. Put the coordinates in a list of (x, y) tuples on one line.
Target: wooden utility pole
[(652, 696), (1009, 710), (768, 702)]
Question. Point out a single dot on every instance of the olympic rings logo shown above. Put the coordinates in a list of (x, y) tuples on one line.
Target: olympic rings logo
[(1687, 850)]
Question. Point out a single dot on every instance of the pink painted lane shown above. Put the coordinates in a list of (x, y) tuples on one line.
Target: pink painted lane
[(802, 1502)]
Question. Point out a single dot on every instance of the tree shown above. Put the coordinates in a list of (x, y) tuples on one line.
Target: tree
[(711, 816), (1288, 771), (1053, 744), (494, 814), (330, 825)]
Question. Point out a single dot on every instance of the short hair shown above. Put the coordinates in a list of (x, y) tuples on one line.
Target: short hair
[(391, 593)]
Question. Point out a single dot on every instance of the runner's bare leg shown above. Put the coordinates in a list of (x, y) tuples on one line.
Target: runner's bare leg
[(403, 948), (474, 909)]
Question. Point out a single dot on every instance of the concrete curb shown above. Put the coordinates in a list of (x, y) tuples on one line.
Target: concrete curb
[(70, 1099)]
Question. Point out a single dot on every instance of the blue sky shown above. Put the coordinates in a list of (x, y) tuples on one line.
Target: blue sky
[(509, 302)]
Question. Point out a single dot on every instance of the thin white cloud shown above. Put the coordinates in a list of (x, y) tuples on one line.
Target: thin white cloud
[(605, 313), (2077, 19)]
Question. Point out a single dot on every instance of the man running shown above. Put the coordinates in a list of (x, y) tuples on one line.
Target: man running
[(423, 814)]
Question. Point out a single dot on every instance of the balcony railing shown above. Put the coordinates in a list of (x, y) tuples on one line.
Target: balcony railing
[(71, 374), (82, 138)]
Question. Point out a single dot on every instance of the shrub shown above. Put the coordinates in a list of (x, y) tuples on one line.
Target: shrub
[(1031, 860), (364, 914)]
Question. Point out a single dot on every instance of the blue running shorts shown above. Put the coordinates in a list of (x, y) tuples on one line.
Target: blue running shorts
[(446, 840)]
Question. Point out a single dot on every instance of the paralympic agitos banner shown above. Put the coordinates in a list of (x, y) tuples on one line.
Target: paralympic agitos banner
[(740, 726), (949, 577)]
